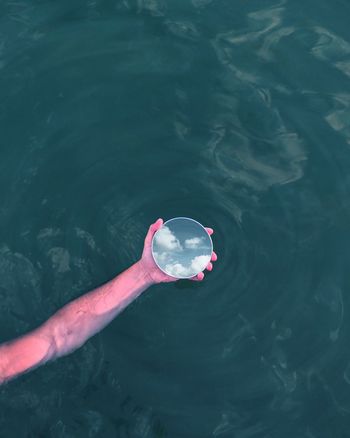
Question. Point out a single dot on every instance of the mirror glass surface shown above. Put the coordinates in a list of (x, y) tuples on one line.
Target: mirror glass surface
[(182, 247)]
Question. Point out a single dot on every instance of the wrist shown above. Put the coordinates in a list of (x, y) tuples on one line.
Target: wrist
[(144, 273)]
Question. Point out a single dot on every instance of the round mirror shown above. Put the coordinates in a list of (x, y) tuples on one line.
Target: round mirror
[(182, 247)]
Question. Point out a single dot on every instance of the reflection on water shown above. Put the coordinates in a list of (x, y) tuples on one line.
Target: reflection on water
[(114, 113)]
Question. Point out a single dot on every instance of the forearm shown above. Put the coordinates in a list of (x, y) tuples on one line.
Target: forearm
[(80, 319), (73, 325), (24, 353)]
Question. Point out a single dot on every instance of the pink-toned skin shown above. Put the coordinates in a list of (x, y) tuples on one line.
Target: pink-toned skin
[(72, 325)]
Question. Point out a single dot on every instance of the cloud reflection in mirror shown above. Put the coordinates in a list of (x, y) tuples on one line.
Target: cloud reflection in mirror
[(182, 247)]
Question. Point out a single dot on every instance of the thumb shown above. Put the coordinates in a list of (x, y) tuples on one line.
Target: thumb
[(152, 229)]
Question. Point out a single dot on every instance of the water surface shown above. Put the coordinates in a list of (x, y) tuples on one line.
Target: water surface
[(116, 112)]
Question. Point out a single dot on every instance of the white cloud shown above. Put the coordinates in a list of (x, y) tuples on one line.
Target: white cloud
[(197, 265), (194, 242), (162, 257), (200, 262), (167, 240), (178, 270)]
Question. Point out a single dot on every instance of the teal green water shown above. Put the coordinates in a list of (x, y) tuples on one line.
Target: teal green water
[(116, 112)]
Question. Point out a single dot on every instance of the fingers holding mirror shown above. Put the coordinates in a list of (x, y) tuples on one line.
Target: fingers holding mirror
[(198, 277)]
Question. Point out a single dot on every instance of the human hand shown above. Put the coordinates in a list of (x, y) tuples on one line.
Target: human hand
[(148, 264)]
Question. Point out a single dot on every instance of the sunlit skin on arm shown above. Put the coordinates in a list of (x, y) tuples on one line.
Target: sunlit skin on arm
[(76, 322)]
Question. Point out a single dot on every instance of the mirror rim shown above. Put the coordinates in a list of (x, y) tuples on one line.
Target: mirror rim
[(169, 220)]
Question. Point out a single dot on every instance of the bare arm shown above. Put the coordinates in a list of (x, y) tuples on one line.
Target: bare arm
[(72, 325), (76, 322)]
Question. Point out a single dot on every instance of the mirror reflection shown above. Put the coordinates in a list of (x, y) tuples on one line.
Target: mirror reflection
[(182, 247)]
